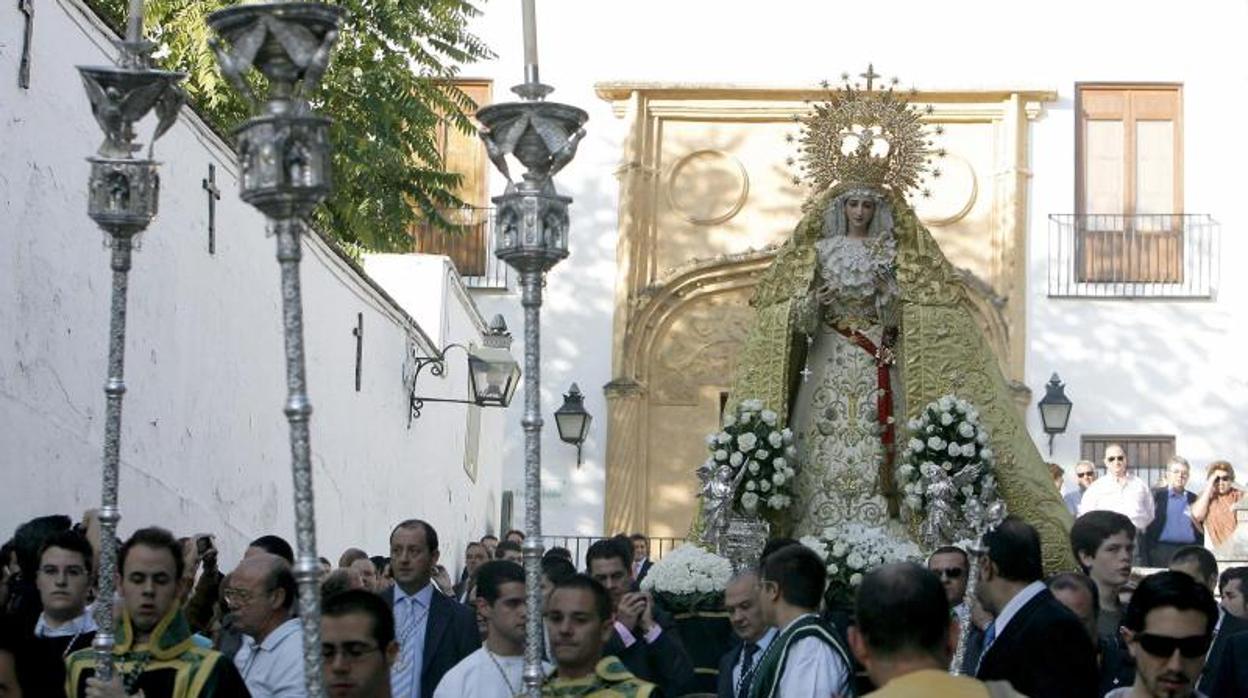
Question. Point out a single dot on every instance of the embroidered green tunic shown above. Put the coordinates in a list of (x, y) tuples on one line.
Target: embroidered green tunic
[(168, 665), (611, 679)]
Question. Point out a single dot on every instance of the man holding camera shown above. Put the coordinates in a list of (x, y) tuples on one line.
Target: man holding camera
[(639, 638)]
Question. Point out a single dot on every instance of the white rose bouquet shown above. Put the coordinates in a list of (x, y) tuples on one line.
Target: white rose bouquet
[(689, 579), (945, 473), (758, 452), (850, 550)]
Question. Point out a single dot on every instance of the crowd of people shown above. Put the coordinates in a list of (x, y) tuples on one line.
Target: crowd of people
[(401, 625)]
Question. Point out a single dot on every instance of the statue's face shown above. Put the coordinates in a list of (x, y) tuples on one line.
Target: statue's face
[(859, 210)]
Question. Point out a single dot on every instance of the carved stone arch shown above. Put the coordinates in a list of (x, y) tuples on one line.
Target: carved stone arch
[(681, 345)]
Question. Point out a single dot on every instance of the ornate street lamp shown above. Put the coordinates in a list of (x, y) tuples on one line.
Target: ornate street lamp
[(1054, 409), (531, 228), (284, 153), (492, 374), (122, 197), (572, 420)]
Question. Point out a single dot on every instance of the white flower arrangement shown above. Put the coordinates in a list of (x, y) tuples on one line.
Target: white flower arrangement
[(689, 578), (850, 550), (945, 473), (761, 454)]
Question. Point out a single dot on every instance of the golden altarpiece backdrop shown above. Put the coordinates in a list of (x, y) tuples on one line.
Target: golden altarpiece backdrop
[(705, 196)]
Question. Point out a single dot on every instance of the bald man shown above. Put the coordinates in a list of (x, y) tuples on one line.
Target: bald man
[(261, 594)]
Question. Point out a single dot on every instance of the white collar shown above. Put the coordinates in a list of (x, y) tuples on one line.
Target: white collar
[(795, 620), (764, 641), (1015, 605), (84, 623)]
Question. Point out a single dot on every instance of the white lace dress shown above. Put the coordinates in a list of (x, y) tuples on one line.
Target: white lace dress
[(835, 413)]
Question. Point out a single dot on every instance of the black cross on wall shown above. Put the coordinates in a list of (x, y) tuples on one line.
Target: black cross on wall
[(27, 8), (214, 194)]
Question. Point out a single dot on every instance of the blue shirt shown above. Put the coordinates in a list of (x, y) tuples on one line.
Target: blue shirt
[(1178, 528), (411, 617)]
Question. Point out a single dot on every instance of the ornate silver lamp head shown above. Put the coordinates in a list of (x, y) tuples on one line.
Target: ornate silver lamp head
[(284, 150), (124, 190), (532, 218)]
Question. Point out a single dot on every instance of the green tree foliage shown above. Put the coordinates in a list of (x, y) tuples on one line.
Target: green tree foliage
[(388, 90)]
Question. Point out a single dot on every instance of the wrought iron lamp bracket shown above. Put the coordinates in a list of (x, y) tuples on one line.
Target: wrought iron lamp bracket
[(437, 367)]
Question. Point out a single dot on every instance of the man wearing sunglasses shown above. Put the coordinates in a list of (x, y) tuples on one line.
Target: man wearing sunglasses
[(1120, 491), (952, 565), (1085, 475), (1167, 627)]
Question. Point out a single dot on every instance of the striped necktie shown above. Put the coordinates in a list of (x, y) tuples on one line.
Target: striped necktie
[(405, 675)]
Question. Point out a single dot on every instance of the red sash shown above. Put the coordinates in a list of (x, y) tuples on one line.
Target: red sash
[(883, 356)]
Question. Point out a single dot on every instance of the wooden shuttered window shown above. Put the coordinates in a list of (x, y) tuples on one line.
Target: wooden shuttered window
[(1129, 189), (465, 154)]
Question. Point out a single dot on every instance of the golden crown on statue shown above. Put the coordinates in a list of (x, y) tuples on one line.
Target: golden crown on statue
[(874, 137)]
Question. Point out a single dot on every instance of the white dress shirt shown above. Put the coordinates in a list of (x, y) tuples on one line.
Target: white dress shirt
[(763, 643), (275, 666), (1130, 498), (812, 669), (485, 675)]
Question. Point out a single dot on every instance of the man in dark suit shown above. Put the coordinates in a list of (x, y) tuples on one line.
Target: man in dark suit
[(434, 632), (1172, 526), (737, 666), (1232, 677), (643, 637), (1034, 642), (641, 557)]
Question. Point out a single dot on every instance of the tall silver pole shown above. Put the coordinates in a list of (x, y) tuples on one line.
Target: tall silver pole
[(298, 411), (110, 513), (285, 158), (531, 300), (122, 198), (532, 236)]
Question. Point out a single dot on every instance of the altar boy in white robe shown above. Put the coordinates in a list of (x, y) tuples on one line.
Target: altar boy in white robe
[(805, 659), (495, 670)]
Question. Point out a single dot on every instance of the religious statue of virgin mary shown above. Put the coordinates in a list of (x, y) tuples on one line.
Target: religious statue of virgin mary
[(861, 321)]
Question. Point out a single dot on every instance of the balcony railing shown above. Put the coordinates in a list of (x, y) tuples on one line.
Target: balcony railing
[(470, 247), (1138, 256), (579, 545)]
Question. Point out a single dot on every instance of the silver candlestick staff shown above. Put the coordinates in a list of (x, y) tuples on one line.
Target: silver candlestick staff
[(284, 152), (123, 193), (532, 237)]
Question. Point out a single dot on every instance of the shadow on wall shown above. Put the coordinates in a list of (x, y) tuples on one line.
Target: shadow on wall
[(1135, 372)]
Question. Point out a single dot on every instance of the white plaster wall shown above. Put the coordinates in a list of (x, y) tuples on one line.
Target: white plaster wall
[(204, 444), (1165, 367)]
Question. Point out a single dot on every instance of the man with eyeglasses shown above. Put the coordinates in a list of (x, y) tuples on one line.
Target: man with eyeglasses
[(357, 644), (1120, 491), (1168, 627), (261, 595), (952, 565), (1085, 475)]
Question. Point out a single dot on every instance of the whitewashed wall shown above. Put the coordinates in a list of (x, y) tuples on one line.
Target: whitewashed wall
[(204, 445), (1158, 367)]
